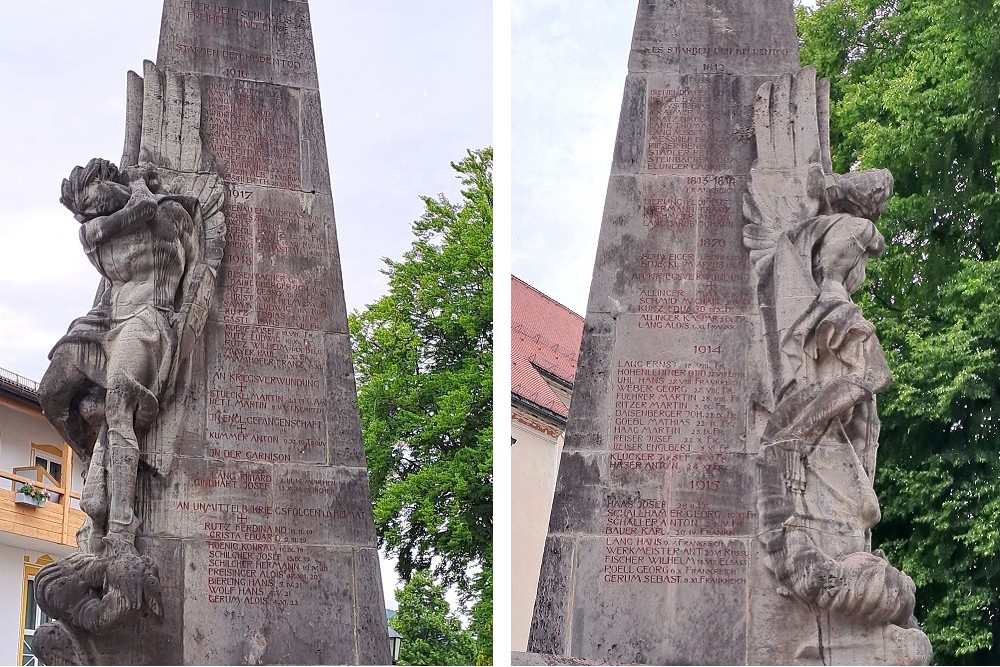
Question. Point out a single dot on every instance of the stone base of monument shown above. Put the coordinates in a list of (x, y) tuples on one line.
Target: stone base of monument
[(525, 658), (826, 640)]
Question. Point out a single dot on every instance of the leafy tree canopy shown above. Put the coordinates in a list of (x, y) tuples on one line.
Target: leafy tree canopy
[(914, 90), (423, 355), (431, 634)]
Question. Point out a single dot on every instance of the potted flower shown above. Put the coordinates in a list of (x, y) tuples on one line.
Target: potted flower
[(29, 495)]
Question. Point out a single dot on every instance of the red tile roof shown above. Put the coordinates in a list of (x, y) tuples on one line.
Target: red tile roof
[(546, 334)]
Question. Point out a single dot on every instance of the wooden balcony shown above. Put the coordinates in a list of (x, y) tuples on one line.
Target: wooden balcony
[(56, 521)]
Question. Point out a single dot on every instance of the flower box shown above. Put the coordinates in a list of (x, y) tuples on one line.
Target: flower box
[(25, 499)]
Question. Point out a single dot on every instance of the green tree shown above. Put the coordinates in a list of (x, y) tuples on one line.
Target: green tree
[(431, 634), (424, 360), (914, 89)]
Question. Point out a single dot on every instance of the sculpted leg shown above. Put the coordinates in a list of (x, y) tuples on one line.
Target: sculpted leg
[(122, 461), (94, 500), (123, 467)]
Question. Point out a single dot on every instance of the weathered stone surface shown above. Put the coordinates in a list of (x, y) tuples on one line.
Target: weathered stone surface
[(522, 658), (656, 492), (156, 238), (240, 39), (252, 495), (679, 532), (816, 377)]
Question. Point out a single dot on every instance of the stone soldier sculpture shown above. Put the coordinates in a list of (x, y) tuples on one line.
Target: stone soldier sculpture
[(810, 233), (157, 250)]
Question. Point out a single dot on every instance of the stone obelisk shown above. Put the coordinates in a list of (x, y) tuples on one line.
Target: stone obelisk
[(252, 497), (648, 558), (715, 493)]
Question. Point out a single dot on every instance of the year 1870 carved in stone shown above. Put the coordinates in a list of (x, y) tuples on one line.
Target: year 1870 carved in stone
[(714, 499), (210, 387)]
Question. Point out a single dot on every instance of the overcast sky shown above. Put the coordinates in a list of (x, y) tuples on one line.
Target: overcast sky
[(568, 67), (406, 89)]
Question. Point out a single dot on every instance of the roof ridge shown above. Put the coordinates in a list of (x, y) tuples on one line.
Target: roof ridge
[(548, 298)]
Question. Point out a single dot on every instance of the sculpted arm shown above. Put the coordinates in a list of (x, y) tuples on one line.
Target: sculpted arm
[(141, 208), (807, 414)]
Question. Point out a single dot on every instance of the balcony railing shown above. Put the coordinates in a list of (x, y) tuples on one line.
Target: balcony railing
[(55, 521), (19, 381)]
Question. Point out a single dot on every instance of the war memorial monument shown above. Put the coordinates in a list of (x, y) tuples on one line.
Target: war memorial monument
[(210, 387), (714, 501)]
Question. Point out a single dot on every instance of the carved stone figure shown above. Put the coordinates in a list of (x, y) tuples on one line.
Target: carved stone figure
[(810, 233), (157, 250)]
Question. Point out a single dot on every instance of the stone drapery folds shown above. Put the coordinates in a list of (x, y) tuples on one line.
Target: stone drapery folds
[(810, 233)]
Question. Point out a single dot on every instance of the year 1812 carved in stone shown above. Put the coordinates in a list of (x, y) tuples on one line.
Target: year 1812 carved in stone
[(211, 387), (714, 498)]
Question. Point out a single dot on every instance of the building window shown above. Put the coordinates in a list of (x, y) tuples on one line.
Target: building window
[(51, 461), (49, 464), (32, 616)]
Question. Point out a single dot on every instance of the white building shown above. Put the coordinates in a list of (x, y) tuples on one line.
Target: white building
[(31, 453), (545, 342)]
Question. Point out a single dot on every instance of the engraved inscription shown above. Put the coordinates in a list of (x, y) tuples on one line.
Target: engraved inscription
[(687, 50), (657, 560), (682, 135), (254, 129), (694, 261), (226, 38), (261, 416), (250, 19), (234, 59), (275, 273), (676, 419), (674, 414), (255, 555)]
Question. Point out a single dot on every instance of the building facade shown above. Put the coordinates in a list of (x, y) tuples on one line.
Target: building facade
[(40, 486), (545, 342)]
